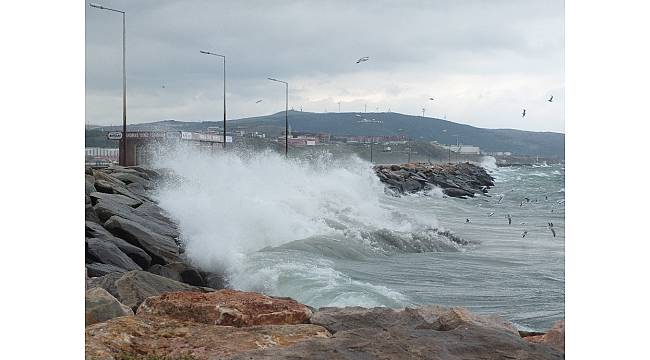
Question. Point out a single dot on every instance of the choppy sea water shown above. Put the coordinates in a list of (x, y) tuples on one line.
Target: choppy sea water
[(324, 232)]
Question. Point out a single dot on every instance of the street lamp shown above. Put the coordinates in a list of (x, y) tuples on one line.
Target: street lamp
[(224, 91), (286, 116), (123, 147)]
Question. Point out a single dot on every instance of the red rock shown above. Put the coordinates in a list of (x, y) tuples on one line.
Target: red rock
[(226, 307), (553, 338), (136, 337)]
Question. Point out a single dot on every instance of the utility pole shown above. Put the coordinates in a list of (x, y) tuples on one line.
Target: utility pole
[(365, 106), (224, 92), (339, 106), (123, 140), (286, 116)]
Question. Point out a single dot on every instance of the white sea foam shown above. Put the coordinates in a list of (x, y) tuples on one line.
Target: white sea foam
[(229, 205)]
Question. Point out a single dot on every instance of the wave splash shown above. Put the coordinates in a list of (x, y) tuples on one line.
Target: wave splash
[(230, 206)]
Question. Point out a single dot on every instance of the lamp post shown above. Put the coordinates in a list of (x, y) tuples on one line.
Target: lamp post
[(123, 142), (286, 116), (224, 91)]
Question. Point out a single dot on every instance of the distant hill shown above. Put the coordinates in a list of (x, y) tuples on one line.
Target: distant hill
[(547, 144)]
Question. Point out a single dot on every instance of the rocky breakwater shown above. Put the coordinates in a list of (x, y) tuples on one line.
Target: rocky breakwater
[(132, 245), (456, 180), (229, 324)]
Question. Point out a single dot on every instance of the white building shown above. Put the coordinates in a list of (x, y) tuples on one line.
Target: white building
[(464, 149)]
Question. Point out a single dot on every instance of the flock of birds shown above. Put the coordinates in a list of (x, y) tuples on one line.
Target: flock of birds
[(525, 200)]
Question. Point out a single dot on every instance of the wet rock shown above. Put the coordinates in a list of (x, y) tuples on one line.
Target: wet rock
[(430, 332), (125, 200), (150, 337), (161, 248), (102, 306), (129, 178), (456, 192), (214, 280), (99, 269), (106, 208), (106, 252), (456, 180), (180, 272), (94, 230), (135, 286), (227, 307), (553, 338)]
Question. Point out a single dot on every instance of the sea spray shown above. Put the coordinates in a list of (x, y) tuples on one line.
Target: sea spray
[(229, 205)]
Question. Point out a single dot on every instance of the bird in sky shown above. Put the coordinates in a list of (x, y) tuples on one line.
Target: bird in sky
[(430, 98), (365, 58), (523, 113), (550, 99), (523, 235), (490, 214), (553, 231), (258, 101)]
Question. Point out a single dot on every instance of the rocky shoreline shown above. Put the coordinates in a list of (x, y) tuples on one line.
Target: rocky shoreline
[(460, 180), (145, 300)]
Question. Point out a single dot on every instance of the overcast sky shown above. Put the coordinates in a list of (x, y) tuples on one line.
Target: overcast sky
[(481, 61)]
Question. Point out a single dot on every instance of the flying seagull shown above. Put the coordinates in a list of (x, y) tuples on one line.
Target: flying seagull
[(365, 58), (550, 99), (490, 214), (258, 101), (509, 219), (430, 98), (523, 113), (523, 235)]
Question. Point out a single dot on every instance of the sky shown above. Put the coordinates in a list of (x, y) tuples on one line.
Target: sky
[(481, 61)]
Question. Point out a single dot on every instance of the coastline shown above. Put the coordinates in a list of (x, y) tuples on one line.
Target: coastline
[(140, 286)]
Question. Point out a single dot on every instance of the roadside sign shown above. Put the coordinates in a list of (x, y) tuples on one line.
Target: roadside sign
[(115, 135)]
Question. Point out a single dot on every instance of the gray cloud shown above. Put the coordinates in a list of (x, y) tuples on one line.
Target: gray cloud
[(482, 61)]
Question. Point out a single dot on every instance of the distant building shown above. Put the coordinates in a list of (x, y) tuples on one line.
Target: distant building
[(498, 153), (464, 149)]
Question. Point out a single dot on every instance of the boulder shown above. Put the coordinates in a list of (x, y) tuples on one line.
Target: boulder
[(180, 272), (161, 248), (102, 306), (105, 208), (108, 184), (135, 177), (91, 215), (151, 209), (146, 337), (94, 230), (456, 192), (214, 280), (116, 198), (99, 269), (430, 332), (106, 252), (90, 184), (135, 286), (106, 282), (553, 338), (227, 307)]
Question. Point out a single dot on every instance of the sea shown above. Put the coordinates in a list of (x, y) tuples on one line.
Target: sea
[(323, 230)]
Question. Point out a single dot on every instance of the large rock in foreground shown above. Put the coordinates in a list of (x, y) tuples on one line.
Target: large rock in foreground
[(227, 307), (135, 337), (429, 332), (102, 306), (553, 338)]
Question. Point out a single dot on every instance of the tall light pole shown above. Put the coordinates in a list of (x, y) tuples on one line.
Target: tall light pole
[(286, 116), (224, 92), (123, 142)]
